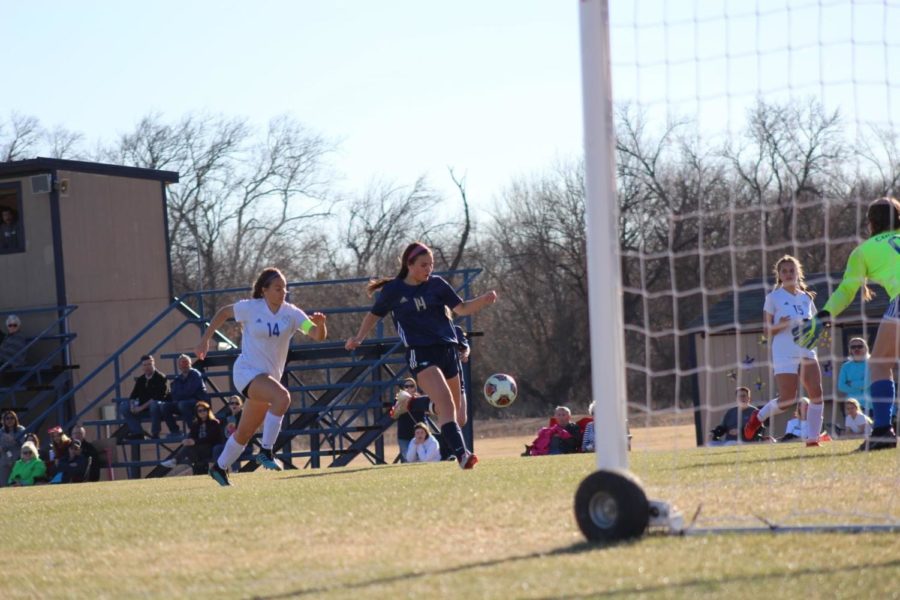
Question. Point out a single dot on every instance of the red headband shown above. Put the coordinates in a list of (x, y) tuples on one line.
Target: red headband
[(419, 249)]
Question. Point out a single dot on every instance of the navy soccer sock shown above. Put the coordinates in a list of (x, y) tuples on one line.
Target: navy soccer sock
[(453, 438), (882, 393)]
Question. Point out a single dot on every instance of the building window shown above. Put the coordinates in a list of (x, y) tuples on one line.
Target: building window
[(12, 233)]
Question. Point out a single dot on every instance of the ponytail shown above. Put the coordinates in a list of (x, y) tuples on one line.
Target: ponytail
[(407, 258)]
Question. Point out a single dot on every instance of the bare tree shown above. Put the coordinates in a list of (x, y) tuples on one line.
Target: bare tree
[(64, 143), (20, 137), (385, 218), (467, 223), (242, 203), (537, 263)]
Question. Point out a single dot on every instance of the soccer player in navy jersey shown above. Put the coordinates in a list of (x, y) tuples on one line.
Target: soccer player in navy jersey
[(418, 303)]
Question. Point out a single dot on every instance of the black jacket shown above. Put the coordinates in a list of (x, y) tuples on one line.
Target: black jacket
[(75, 470), (154, 388)]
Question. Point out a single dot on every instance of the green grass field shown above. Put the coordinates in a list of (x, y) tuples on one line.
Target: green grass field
[(504, 530)]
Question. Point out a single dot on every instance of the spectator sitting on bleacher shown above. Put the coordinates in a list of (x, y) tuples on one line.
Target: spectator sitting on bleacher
[(13, 343), (12, 435), (185, 391), (58, 451), (34, 439), (197, 450), (149, 388), (231, 421), (88, 450), (75, 467), (29, 469)]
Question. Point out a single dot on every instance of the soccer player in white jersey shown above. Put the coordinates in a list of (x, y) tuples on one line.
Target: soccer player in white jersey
[(268, 323), (786, 306)]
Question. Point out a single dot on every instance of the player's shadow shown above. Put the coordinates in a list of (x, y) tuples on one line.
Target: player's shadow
[(685, 587), (704, 586), (406, 577), (330, 471)]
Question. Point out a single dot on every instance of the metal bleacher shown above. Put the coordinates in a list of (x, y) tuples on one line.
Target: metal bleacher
[(45, 373), (339, 399)]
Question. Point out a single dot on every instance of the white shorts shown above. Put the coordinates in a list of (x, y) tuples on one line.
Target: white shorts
[(790, 365), (242, 376)]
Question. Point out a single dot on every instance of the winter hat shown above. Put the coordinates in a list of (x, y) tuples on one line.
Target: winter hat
[(29, 445)]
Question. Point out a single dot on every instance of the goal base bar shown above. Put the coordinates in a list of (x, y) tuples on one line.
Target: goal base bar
[(698, 531)]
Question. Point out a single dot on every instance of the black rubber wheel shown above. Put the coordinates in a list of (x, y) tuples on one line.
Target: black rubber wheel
[(610, 506)]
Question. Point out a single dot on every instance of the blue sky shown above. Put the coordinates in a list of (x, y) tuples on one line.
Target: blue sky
[(410, 87), (405, 87)]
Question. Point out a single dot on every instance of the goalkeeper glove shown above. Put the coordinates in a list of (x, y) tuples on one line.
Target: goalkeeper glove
[(807, 333)]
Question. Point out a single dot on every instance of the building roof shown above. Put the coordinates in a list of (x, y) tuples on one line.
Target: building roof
[(743, 309), (34, 166)]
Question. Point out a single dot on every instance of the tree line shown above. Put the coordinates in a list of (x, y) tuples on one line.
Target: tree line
[(697, 217)]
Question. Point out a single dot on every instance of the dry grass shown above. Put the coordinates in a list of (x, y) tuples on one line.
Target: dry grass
[(505, 530)]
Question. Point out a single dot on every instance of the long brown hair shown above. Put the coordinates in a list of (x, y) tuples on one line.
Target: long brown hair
[(801, 277), (3, 422), (412, 252), (210, 415), (266, 277)]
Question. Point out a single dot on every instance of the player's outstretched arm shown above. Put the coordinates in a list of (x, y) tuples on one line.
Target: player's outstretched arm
[(367, 324), (470, 307), (807, 333), (223, 314)]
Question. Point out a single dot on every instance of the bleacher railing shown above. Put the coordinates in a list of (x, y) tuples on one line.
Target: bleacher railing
[(113, 371)]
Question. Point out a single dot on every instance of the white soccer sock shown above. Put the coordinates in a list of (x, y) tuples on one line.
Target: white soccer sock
[(271, 428), (814, 421), (230, 453), (770, 410)]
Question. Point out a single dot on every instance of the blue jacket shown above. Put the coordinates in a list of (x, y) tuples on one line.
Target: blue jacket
[(188, 387), (853, 380)]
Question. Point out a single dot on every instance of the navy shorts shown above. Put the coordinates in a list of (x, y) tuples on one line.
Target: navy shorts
[(444, 357)]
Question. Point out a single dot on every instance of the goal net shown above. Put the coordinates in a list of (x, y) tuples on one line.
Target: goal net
[(747, 131)]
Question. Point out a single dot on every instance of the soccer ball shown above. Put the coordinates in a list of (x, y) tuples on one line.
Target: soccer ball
[(500, 390)]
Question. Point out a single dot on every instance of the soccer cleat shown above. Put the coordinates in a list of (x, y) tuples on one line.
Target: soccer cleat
[(219, 474), (882, 438), (468, 461), (813, 444), (401, 404), (752, 426), (264, 458)]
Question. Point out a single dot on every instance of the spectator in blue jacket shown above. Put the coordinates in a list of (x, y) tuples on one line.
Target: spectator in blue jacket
[(186, 390), (853, 379)]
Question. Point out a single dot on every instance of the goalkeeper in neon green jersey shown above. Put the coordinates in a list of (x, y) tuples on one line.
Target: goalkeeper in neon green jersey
[(878, 259)]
